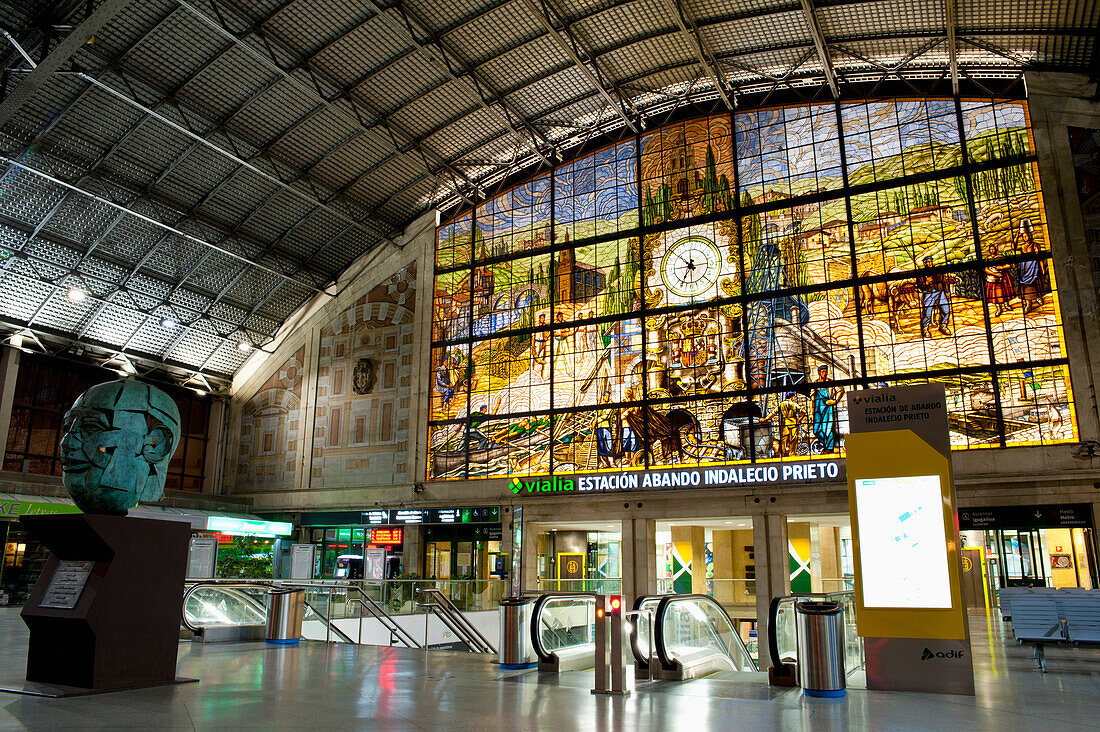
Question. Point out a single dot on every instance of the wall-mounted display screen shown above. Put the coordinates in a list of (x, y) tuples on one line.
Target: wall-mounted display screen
[(705, 293), (386, 536), (902, 542)]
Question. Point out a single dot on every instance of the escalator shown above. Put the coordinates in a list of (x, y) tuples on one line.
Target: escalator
[(692, 637), (563, 631), (221, 613), (675, 637)]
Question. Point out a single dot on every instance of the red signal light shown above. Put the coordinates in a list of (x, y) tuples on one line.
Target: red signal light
[(616, 604), (599, 612)]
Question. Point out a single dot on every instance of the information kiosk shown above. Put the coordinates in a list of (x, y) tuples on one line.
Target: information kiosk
[(909, 604)]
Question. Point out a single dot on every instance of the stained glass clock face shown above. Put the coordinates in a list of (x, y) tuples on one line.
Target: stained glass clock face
[(690, 267)]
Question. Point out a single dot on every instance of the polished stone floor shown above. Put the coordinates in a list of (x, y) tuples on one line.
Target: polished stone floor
[(319, 687)]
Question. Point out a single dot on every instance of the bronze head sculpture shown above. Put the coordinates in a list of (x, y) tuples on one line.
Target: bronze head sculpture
[(119, 438)]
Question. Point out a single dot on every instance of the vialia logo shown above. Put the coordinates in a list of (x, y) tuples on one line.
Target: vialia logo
[(877, 399), (928, 655), (542, 486)]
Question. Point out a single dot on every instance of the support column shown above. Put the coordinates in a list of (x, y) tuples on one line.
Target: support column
[(412, 550), (722, 547), (829, 562), (9, 370), (639, 558), (689, 550), (215, 448), (529, 555), (773, 573)]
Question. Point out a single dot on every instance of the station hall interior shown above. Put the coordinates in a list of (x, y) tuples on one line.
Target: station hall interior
[(543, 363)]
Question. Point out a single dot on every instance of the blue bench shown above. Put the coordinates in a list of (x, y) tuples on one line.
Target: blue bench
[(1045, 616)]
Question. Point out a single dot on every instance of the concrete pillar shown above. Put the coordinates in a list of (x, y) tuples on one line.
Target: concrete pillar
[(828, 561), (773, 574), (639, 558), (9, 370), (723, 551), (412, 550), (217, 441), (529, 555), (743, 561), (690, 543)]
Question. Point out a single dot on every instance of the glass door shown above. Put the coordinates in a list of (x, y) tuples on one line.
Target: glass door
[(1022, 558)]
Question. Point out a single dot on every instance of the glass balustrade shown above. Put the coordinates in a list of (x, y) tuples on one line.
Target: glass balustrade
[(786, 631), (690, 627), (564, 622), (211, 605)]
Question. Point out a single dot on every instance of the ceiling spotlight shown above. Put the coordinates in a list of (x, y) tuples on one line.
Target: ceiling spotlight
[(16, 340), (76, 294), (200, 392), (123, 373), (244, 346), (169, 323)]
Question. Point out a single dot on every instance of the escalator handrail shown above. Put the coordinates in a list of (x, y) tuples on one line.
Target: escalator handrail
[(658, 628), (536, 612), (636, 607), (232, 586)]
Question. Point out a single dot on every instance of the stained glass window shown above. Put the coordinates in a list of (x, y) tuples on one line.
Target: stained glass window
[(706, 293)]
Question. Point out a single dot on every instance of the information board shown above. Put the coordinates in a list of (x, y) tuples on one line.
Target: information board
[(202, 557), (902, 541), (301, 561), (386, 536), (67, 584)]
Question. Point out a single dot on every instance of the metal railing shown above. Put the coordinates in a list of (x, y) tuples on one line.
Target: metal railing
[(397, 596), (599, 586), (448, 613), (332, 601), (365, 602)]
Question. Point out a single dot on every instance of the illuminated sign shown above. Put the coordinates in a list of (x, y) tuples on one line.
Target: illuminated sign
[(33, 508), (902, 542), (248, 527), (380, 516), (463, 515), (386, 536), (649, 480)]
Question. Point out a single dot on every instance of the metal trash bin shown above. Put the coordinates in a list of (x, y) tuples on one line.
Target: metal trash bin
[(821, 647), (516, 649), (284, 616)]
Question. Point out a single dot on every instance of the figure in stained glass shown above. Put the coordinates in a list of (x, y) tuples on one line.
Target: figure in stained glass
[(826, 398), (999, 287), (789, 414), (1032, 271), (935, 299)]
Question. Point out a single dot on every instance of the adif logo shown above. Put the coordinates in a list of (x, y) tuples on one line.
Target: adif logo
[(928, 655), (876, 399)]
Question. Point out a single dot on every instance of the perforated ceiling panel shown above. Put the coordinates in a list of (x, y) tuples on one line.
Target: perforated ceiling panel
[(197, 171)]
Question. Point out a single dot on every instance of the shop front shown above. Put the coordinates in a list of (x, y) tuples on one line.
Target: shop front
[(389, 543), (23, 556)]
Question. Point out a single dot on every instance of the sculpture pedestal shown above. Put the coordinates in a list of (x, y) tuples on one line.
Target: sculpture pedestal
[(105, 612)]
